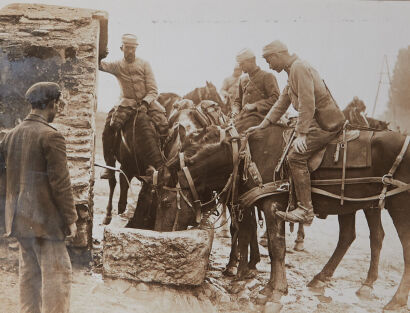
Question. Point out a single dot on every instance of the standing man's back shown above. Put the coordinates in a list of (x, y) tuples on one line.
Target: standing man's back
[(39, 206)]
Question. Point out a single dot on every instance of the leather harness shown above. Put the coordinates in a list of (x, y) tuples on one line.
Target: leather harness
[(282, 186)]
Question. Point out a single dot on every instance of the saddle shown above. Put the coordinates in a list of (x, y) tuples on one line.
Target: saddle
[(358, 151)]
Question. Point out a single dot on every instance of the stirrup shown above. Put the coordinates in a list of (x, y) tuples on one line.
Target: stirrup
[(298, 217)]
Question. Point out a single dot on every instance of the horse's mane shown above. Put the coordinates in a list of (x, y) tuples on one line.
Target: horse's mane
[(243, 122), (195, 143)]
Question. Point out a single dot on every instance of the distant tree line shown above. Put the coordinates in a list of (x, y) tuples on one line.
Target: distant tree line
[(399, 96)]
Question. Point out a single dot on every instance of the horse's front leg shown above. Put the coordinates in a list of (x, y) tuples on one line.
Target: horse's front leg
[(124, 186), (244, 239), (347, 234), (108, 212), (277, 285), (300, 238), (232, 266), (254, 246)]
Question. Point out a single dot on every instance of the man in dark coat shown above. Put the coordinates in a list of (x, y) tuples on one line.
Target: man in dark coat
[(38, 203), (309, 95), (257, 90)]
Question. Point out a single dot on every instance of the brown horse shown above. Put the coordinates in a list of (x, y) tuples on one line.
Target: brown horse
[(208, 92), (216, 160), (132, 153)]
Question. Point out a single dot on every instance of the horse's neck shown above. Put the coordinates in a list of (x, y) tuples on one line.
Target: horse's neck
[(267, 147)]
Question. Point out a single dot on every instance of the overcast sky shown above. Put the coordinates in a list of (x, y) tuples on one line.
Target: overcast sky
[(188, 42)]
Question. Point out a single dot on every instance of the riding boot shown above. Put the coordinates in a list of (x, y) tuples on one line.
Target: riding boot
[(108, 140), (304, 212)]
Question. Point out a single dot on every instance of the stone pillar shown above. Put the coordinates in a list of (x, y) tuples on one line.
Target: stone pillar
[(58, 44)]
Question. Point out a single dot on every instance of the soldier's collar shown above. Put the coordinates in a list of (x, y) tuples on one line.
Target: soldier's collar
[(36, 117), (292, 59), (255, 71)]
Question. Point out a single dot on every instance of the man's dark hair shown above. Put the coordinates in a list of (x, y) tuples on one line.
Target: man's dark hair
[(41, 94)]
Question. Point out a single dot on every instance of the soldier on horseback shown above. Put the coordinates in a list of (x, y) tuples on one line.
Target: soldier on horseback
[(319, 121), (230, 85), (258, 90), (138, 92)]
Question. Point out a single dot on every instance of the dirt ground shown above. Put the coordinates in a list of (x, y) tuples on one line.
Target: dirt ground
[(92, 293)]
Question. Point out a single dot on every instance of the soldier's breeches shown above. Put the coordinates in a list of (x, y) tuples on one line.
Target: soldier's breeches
[(160, 121), (316, 139), (120, 116)]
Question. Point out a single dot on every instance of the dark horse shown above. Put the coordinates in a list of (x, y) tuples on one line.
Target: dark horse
[(208, 92), (267, 144), (130, 153), (355, 113), (135, 159)]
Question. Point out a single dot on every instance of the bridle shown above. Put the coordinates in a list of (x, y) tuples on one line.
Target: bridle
[(230, 187)]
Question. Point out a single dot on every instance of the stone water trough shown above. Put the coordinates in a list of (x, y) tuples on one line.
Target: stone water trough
[(171, 258)]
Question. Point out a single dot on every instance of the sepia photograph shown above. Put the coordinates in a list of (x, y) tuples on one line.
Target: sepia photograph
[(204, 156)]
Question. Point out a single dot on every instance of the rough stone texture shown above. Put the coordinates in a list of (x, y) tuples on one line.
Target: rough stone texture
[(59, 44), (175, 258)]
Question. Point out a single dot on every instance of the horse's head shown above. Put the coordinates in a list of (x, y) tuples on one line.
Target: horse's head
[(175, 193), (168, 100), (213, 94), (378, 124)]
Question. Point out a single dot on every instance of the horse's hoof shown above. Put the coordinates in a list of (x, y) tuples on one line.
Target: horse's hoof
[(261, 299), (230, 271), (394, 306), (299, 246), (317, 287), (365, 292), (107, 220), (272, 307), (316, 283), (236, 288), (266, 291), (251, 274)]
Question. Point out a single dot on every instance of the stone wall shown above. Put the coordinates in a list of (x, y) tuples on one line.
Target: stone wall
[(59, 44)]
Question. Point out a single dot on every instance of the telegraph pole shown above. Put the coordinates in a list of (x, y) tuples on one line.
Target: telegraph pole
[(384, 63)]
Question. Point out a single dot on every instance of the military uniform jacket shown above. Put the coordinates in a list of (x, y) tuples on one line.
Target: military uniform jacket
[(38, 199), (305, 90), (260, 88), (136, 79)]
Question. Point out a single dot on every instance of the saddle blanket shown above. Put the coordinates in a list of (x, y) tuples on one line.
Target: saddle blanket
[(359, 154)]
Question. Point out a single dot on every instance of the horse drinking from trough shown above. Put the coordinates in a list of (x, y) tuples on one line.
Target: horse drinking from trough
[(383, 148), (132, 153)]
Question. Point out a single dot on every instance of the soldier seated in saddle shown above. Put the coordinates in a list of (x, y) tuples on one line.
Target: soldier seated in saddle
[(319, 121), (138, 92), (230, 85), (257, 90), (355, 112)]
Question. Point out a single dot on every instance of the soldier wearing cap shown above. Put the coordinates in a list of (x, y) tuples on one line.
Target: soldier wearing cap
[(257, 90), (138, 91), (230, 86), (319, 121), (37, 198)]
